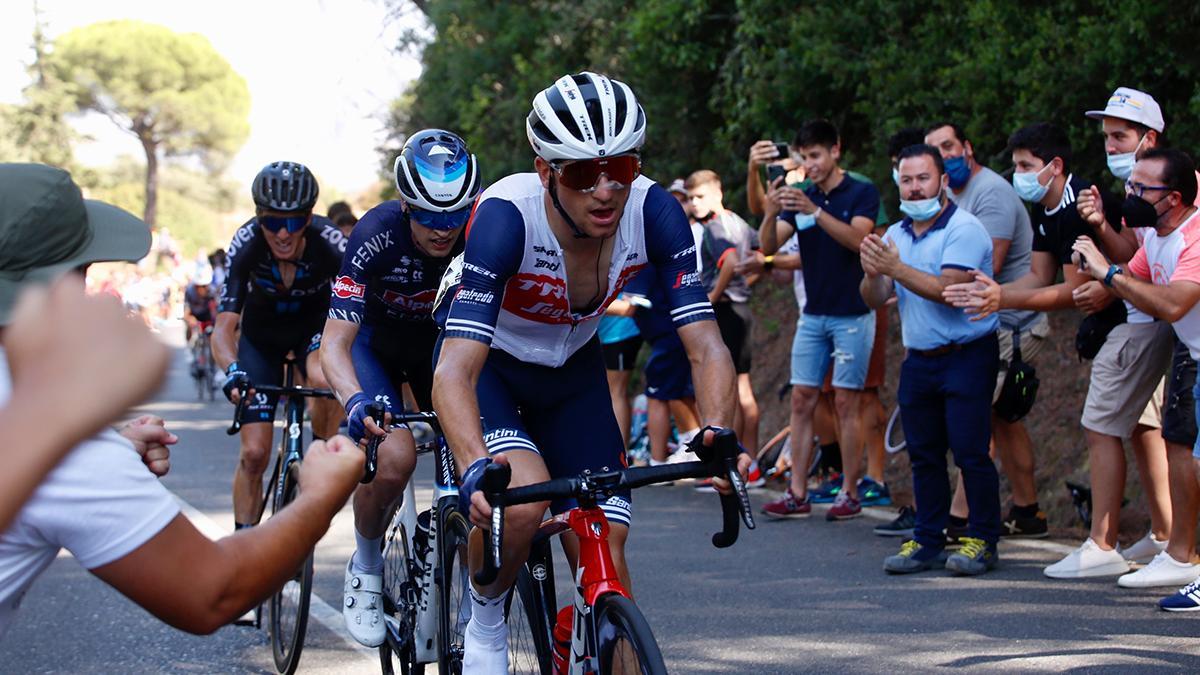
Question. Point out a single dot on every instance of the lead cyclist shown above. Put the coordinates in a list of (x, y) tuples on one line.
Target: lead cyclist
[(546, 253)]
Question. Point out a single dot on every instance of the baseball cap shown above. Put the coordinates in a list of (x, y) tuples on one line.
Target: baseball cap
[(1133, 105), (47, 228), (677, 186)]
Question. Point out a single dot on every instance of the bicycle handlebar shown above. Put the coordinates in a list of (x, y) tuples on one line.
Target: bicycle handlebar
[(244, 400), (376, 411), (718, 460)]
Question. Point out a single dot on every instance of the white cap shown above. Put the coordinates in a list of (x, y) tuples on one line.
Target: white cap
[(677, 185), (1133, 105)]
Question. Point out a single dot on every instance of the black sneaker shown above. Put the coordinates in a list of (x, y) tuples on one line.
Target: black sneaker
[(902, 526), (1031, 527)]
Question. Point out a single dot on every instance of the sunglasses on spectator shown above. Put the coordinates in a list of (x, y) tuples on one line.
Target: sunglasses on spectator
[(584, 175), (276, 223), (438, 220)]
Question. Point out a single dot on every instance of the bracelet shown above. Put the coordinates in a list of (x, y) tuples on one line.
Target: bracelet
[(817, 213), (768, 262)]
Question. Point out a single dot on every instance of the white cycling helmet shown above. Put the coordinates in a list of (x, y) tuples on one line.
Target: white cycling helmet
[(203, 276), (585, 116)]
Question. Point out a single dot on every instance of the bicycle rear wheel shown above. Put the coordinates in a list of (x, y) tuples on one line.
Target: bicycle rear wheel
[(626, 644), (528, 635), (288, 608), (453, 579)]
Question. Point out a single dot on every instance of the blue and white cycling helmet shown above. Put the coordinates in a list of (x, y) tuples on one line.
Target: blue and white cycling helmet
[(438, 178)]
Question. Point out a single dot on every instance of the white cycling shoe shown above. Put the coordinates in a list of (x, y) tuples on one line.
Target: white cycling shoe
[(362, 606), (485, 650)]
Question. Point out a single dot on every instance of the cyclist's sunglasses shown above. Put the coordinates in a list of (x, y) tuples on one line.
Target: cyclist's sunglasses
[(276, 223), (436, 220), (584, 175)]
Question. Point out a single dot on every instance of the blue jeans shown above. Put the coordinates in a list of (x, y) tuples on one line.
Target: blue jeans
[(946, 404), (845, 340)]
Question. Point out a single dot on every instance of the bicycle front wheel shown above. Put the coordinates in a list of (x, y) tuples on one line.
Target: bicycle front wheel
[(528, 635), (288, 609), (626, 644), (396, 654), (453, 580)]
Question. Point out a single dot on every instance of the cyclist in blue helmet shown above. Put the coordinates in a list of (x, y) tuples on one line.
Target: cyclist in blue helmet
[(380, 334)]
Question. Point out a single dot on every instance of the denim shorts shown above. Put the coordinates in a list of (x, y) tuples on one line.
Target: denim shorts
[(844, 340), (1196, 396)]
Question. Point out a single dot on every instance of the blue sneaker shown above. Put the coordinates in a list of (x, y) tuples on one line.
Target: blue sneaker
[(873, 493), (827, 491), (1186, 600)]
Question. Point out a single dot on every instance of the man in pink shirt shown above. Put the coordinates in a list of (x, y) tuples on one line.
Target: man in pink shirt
[(1163, 280)]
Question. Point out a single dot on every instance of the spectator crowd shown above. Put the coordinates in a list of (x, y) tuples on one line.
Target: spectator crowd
[(974, 263)]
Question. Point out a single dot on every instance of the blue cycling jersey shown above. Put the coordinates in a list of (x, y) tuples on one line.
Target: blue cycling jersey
[(385, 279)]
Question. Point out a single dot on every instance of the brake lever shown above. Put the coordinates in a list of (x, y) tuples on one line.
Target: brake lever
[(493, 483), (243, 403), (739, 489), (376, 412)]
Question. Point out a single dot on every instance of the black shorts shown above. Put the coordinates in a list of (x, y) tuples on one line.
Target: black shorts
[(734, 320), (1179, 405), (262, 350), (622, 355)]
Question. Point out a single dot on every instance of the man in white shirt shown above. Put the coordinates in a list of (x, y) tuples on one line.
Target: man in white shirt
[(101, 503)]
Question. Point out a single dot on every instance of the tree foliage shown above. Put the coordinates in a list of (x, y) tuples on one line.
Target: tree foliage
[(716, 75), (172, 91)]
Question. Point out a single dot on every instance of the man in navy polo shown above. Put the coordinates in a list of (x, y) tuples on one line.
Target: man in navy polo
[(830, 218), (947, 377)]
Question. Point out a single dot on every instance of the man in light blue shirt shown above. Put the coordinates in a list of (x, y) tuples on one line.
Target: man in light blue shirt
[(945, 393)]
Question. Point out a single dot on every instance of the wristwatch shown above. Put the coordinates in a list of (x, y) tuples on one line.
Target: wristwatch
[(1113, 270), (768, 262)]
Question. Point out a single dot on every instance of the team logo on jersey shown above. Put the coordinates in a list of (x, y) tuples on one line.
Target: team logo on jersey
[(538, 297), (418, 303), (687, 279), (346, 288)]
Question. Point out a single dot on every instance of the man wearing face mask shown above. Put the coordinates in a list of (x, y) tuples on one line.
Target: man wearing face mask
[(1163, 280), (985, 195), (1041, 156), (1133, 126), (945, 392)]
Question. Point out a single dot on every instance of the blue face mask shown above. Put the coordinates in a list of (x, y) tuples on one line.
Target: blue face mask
[(958, 171), (921, 209), (1121, 165), (896, 176), (804, 221), (1027, 185)]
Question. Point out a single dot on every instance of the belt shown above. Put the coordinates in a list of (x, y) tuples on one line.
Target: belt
[(938, 351)]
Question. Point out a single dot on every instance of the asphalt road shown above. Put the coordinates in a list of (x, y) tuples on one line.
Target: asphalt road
[(790, 597)]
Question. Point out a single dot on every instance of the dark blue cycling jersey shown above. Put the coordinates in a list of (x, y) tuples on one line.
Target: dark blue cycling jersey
[(385, 279), (253, 277)]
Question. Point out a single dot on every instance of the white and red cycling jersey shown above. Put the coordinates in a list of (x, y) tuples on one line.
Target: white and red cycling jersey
[(509, 287)]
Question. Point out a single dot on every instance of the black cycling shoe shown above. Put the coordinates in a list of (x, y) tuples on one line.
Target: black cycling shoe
[(901, 526)]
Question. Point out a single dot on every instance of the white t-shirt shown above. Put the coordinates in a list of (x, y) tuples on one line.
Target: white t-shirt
[(100, 503), (1175, 257), (793, 246)]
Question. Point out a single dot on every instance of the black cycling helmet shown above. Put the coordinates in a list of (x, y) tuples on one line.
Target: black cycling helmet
[(286, 187)]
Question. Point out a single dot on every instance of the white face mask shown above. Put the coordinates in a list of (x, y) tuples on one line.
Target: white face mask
[(1028, 187), (921, 209)]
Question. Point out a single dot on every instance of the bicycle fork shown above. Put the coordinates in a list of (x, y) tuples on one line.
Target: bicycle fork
[(596, 576)]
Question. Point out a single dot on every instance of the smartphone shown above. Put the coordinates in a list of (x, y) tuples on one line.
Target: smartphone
[(774, 171), (783, 150)]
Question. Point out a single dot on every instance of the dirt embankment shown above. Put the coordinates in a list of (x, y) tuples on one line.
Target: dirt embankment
[(1058, 441)]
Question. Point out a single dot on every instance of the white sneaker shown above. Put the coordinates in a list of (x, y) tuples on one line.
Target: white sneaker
[(485, 650), (362, 606), (1144, 550), (682, 456), (1089, 560), (1163, 570)]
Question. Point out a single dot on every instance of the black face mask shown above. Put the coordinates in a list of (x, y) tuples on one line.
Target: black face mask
[(1138, 212)]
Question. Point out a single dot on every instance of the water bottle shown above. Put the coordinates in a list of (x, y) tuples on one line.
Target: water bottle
[(562, 638), (420, 538)]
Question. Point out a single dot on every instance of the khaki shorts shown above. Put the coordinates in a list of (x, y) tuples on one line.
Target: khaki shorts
[(1033, 341), (1127, 377)]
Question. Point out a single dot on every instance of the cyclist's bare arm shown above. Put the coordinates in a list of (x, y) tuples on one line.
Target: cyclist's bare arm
[(224, 338), (198, 585), (712, 372), (455, 400)]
